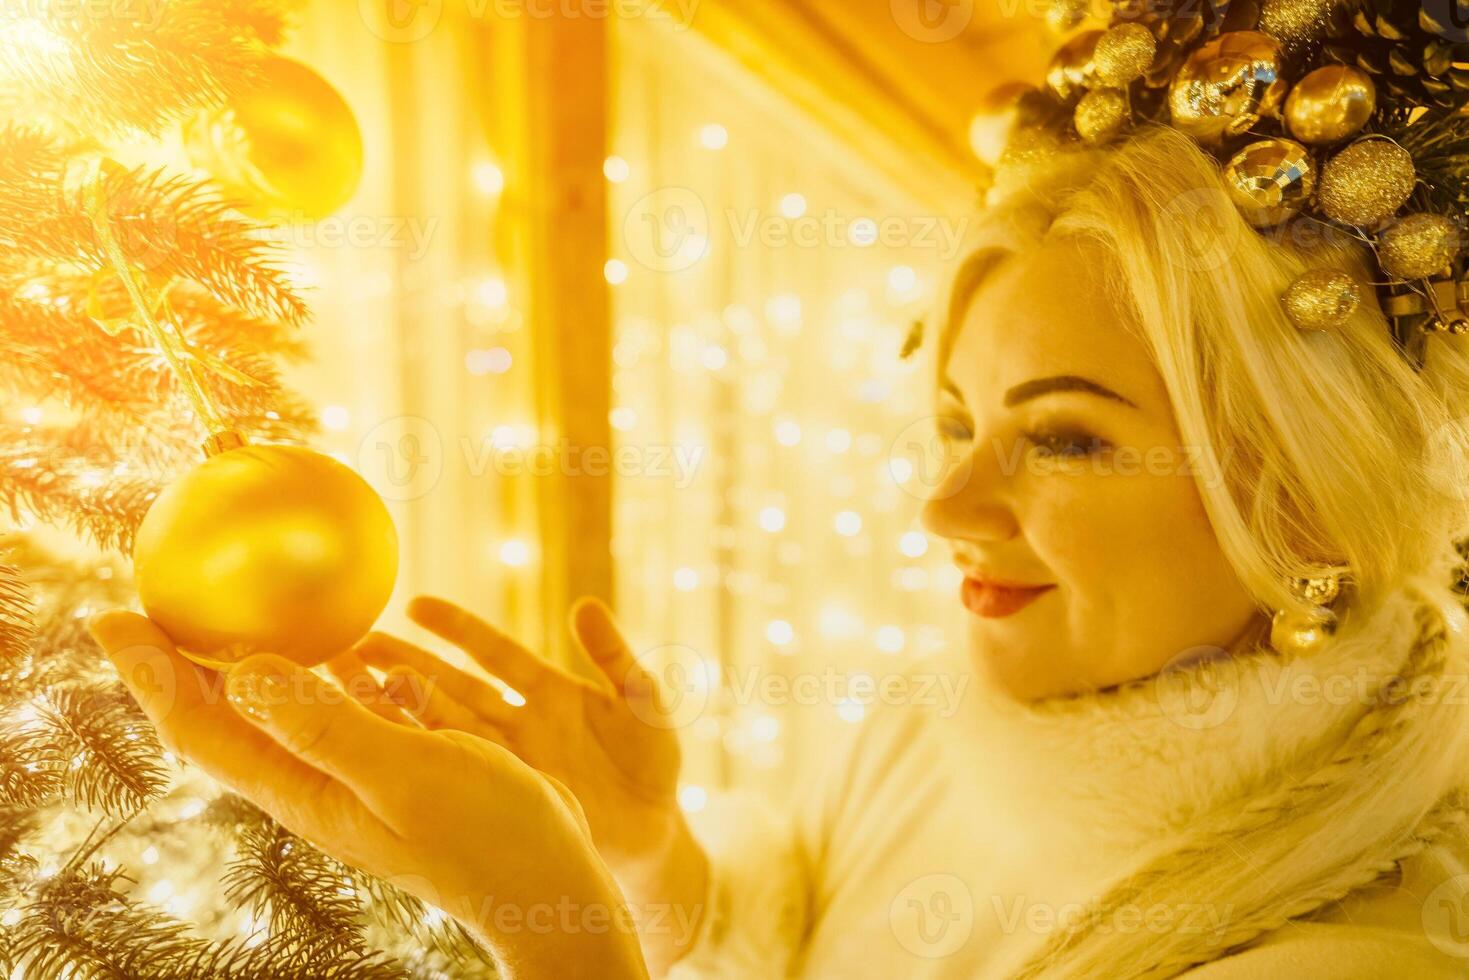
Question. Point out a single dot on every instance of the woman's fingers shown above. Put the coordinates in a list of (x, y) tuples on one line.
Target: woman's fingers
[(432, 707), (597, 632), (353, 677), (319, 725), (387, 651), (491, 649), (187, 705)]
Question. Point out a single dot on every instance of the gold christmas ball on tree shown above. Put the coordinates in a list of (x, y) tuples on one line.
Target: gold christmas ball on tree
[(1366, 182), (1330, 104), (287, 147), (1073, 67), (1226, 86), (1270, 180), (273, 549), (1101, 114), (1418, 245), (1320, 299), (1123, 53)]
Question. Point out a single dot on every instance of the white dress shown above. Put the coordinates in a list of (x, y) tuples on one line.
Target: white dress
[(947, 847)]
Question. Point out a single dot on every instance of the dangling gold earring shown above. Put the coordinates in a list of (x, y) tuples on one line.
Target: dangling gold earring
[(1298, 634)]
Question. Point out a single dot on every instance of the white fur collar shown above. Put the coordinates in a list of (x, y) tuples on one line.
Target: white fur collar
[(1086, 776)]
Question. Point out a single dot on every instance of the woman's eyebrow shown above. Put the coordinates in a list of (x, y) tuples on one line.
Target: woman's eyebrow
[(1062, 382), (1040, 386)]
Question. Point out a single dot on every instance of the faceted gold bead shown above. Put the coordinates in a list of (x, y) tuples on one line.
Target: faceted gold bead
[(1227, 85), (1270, 180)]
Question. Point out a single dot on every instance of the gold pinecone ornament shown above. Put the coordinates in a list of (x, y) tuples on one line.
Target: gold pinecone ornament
[(1413, 57)]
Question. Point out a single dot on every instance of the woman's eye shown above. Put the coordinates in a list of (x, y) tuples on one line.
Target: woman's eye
[(1066, 444), (954, 429)]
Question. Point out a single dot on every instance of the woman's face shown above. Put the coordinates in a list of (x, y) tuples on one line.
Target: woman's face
[(1068, 474)]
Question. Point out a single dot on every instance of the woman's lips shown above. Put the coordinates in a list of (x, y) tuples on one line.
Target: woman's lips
[(993, 601)]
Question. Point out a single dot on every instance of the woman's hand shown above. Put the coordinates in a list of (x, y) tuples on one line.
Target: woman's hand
[(450, 817), (611, 744)]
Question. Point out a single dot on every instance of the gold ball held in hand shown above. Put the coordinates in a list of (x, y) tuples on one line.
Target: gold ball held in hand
[(1418, 245), (1270, 180), (1330, 104), (1226, 86), (286, 146), (275, 549), (1321, 299), (1366, 182)]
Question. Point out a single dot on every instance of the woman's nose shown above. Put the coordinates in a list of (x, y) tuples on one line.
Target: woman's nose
[(970, 501)]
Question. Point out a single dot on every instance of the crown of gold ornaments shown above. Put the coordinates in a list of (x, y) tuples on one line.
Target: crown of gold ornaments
[(1351, 113)]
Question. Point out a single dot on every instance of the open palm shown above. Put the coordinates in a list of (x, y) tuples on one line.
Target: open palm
[(610, 744)]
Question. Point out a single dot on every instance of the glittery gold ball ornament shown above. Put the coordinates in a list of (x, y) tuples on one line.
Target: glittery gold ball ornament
[(287, 146), (1270, 180), (1226, 86), (1073, 67), (1366, 182), (1418, 245), (1296, 23), (1063, 16), (266, 548), (1320, 299), (1101, 114), (1330, 104), (1123, 53)]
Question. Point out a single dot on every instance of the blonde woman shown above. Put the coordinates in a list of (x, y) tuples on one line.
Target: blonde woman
[(1138, 782)]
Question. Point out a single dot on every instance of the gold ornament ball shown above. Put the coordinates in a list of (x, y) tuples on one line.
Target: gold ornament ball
[(1123, 53), (287, 147), (1418, 246), (1366, 182), (1270, 180), (273, 549), (1101, 114), (1226, 86), (1073, 68), (1297, 23), (1330, 104), (1321, 299), (1064, 16)]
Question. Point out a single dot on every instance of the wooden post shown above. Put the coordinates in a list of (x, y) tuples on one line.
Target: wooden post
[(551, 93)]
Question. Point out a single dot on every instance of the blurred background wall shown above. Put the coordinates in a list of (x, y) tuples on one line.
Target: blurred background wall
[(618, 307)]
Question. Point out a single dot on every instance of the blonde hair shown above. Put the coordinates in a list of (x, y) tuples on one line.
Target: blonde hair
[(1335, 456)]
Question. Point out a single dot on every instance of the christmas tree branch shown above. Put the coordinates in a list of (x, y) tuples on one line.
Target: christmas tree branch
[(113, 67), (108, 753)]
